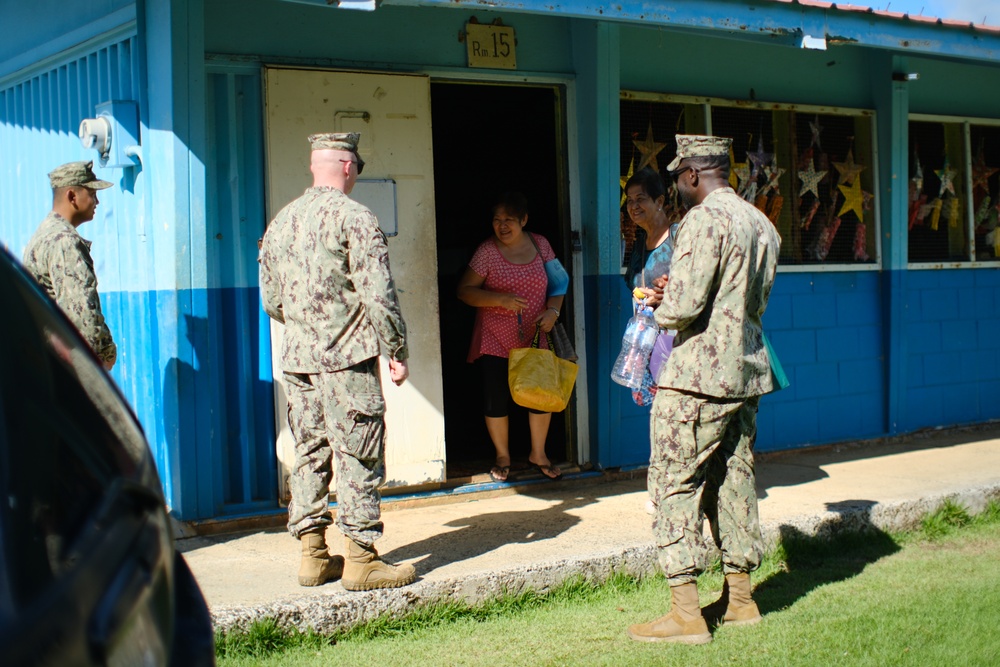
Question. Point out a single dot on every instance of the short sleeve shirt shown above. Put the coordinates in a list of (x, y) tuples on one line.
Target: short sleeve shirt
[(497, 331)]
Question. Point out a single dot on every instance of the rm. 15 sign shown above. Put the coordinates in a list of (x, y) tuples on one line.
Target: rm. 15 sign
[(490, 46)]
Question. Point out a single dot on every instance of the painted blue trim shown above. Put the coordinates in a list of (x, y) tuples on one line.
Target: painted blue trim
[(892, 122), (785, 22)]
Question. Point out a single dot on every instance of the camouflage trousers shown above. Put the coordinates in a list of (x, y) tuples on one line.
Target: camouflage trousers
[(337, 420), (701, 466)]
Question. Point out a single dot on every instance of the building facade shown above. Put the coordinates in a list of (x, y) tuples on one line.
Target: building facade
[(872, 140)]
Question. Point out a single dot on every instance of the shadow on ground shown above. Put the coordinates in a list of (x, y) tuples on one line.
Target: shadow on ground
[(841, 549), (483, 533)]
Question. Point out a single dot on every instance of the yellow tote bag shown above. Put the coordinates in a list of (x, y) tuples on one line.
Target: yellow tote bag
[(538, 379)]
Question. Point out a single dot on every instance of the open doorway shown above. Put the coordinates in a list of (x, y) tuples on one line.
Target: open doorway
[(490, 138)]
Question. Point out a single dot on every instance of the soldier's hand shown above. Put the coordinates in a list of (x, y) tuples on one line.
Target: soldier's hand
[(398, 371)]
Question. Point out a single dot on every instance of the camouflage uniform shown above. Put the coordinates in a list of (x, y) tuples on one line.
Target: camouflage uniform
[(59, 260), (703, 423), (325, 275)]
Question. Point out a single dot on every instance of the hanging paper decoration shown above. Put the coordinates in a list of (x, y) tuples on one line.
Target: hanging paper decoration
[(852, 200), (815, 128), (750, 194), (761, 203), (649, 148), (806, 221), (774, 210), (759, 159), (953, 213), (935, 213), (741, 172), (734, 182), (916, 208), (624, 179), (811, 178), (983, 211), (980, 172), (861, 242), (848, 169), (947, 175), (918, 177), (771, 175), (825, 240), (926, 210)]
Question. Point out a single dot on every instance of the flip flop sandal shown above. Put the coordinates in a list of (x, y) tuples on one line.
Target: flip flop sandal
[(545, 470), (499, 474)]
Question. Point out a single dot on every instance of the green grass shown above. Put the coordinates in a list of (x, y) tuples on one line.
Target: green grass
[(927, 597)]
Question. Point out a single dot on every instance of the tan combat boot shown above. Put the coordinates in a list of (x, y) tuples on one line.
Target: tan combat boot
[(365, 571), (735, 606), (683, 625), (318, 566)]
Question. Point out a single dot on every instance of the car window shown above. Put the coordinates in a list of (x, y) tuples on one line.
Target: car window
[(65, 437)]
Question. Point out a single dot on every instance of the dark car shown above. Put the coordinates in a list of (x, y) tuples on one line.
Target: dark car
[(88, 570)]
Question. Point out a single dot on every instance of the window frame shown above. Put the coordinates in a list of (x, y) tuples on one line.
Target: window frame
[(970, 224), (707, 102)]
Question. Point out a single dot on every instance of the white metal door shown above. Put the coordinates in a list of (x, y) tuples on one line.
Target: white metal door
[(393, 115)]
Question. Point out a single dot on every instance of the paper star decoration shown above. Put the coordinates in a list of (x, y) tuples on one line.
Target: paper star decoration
[(649, 148), (772, 173), (810, 179), (849, 171), (624, 179), (815, 128), (853, 200), (947, 176), (981, 173), (759, 159)]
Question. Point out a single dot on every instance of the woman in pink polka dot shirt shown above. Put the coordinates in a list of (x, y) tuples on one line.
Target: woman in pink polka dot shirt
[(506, 282)]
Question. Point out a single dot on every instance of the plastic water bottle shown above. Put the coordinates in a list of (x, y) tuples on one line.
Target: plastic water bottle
[(637, 345)]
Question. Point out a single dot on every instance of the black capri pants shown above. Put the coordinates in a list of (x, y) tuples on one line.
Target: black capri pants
[(496, 388)]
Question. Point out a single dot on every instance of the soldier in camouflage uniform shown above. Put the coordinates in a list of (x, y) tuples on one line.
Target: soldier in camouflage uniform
[(704, 418), (325, 275), (59, 258)]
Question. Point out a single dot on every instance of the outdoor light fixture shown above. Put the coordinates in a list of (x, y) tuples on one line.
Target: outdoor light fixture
[(905, 76)]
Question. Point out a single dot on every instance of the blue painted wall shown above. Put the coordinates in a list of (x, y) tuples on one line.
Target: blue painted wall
[(953, 348)]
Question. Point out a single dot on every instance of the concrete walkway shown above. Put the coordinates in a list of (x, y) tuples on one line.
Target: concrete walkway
[(538, 535)]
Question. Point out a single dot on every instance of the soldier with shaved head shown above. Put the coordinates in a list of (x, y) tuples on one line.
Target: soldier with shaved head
[(325, 275)]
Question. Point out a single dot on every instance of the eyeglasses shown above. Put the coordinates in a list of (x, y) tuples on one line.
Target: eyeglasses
[(675, 174), (359, 162)]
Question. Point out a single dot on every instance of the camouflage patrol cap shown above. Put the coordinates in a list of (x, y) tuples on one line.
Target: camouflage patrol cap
[(699, 145), (342, 141), (76, 174)]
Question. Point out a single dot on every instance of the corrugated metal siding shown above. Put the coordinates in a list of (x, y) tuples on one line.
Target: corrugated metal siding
[(39, 119), (40, 114)]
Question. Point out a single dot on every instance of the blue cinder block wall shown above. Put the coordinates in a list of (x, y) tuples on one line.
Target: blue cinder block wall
[(953, 347)]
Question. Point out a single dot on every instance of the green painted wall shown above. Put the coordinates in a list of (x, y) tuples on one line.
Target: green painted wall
[(391, 38)]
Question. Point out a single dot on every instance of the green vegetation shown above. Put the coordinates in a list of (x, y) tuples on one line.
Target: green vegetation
[(926, 597)]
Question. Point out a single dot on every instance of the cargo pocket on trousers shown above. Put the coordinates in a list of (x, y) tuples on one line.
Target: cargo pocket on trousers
[(673, 429), (365, 427)]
